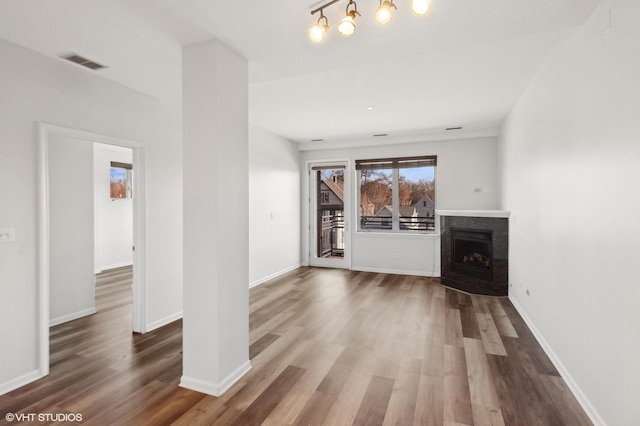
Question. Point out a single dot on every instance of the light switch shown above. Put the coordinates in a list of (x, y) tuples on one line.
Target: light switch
[(7, 235)]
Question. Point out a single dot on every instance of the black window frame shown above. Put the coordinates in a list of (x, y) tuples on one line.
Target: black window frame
[(399, 224)]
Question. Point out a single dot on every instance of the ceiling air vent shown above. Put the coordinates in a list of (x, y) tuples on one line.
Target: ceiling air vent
[(83, 61)]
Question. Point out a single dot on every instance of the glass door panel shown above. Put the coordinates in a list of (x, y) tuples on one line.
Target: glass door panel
[(328, 219)]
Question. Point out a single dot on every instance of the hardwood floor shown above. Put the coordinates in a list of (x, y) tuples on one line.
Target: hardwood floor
[(329, 347)]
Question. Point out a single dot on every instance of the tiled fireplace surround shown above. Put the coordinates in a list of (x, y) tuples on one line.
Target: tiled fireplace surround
[(494, 221)]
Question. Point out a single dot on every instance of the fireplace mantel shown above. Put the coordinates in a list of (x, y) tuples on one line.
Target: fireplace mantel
[(474, 213)]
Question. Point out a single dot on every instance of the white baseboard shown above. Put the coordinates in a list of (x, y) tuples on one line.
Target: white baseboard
[(274, 275), (73, 316), (573, 386), (396, 271), (215, 389), (114, 266), (164, 321), (20, 381)]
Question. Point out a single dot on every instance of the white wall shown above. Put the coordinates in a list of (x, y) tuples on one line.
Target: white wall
[(71, 214), (274, 205), (113, 217), (463, 165), (570, 157), (35, 88)]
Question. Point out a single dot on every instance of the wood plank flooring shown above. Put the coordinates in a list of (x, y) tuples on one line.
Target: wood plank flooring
[(328, 347)]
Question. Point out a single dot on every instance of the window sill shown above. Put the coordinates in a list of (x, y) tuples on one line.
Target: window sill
[(390, 234)]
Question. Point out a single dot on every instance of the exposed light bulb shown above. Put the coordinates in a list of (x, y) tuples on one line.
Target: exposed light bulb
[(347, 26), (419, 7), (384, 13), (316, 33)]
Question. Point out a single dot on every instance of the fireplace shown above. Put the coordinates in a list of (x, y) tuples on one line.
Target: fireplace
[(474, 249), (472, 253)]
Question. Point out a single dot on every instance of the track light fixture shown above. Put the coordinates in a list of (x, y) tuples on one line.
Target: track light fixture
[(384, 13), (317, 31), (419, 7), (347, 26)]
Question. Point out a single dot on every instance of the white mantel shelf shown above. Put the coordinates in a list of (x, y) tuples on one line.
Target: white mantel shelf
[(474, 213)]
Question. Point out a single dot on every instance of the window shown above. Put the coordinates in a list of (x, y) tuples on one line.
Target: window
[(397, 194), (324, 195), (121, 180)]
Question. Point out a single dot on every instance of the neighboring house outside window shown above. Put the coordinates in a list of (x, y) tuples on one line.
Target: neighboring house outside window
[(397, 194)]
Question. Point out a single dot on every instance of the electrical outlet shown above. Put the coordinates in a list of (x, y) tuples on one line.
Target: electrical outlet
[(7, 235)]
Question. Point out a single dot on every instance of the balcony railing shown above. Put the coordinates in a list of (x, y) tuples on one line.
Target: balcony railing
[(332, 236), (407, 223)]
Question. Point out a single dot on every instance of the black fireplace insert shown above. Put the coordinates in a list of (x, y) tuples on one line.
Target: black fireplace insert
[(472, 253)]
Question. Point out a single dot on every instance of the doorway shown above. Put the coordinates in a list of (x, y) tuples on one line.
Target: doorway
[(47, 134), (330, 211)]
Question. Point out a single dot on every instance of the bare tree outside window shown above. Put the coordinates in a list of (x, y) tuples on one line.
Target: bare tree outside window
[(120, 180)]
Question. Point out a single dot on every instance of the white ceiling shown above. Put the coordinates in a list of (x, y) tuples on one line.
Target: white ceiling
[(463, 64)]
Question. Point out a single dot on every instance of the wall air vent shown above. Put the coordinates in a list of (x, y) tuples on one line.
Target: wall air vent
[(83, 61), (453, 128), (380, 135)]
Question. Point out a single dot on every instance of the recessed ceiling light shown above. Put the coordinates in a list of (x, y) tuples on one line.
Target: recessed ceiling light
[(370, 108), (453, 128)]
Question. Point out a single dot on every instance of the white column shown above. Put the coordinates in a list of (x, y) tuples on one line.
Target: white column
[(216, 219)]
